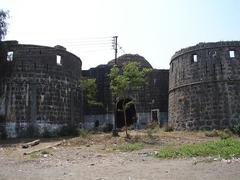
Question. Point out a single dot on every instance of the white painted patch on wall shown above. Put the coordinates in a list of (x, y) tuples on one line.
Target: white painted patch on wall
[(143, 119), (11, 128), (89, 120)]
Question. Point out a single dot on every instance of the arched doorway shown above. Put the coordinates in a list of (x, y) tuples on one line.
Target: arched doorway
[(131, 115)]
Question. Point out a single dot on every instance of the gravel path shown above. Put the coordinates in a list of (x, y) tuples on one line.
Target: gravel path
[(95, 163)]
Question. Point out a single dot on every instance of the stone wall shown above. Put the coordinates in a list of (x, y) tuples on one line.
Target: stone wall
[(100, 73), (153, 96), (38, 85), (204, 86)]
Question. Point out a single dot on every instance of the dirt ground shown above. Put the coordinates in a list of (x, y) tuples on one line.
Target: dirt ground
[(94, 158)]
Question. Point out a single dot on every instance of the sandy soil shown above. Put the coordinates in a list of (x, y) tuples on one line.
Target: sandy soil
[(94, 159)]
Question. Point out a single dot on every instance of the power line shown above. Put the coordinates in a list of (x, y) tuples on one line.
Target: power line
[(75, 39), (88, 44), (95, 50), (121, 48)]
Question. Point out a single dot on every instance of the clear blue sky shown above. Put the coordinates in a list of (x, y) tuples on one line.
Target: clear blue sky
[(154, 29)]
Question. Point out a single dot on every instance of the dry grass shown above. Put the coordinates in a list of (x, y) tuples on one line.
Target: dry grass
[(152, 139)]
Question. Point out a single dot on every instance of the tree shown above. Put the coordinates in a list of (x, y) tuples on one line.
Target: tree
[(127, 80), (90, 91), (3, 24)]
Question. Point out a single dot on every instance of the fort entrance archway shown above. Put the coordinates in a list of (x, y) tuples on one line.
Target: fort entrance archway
[(131, 115)]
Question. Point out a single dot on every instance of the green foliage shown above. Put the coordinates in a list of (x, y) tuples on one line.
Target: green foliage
[(72, 130), (131, 77), (225, 148), (226, 133), (38, 154), (150, 133), (3, 24), (90, 91), (119, 83), (236, 129), (35, 155), (134, 146), (126, 80), (153, 127), (83, 132)]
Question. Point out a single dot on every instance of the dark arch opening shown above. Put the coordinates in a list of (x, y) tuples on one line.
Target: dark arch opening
[(131, 115)]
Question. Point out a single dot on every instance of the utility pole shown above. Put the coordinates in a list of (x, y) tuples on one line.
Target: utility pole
[(115, 47)]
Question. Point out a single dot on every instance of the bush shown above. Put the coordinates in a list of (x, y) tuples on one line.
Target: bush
[(226, 133), (69, 130), (106, 127), (150, 133), (167, 128), (236, 129), (83, 132), (153, 125), (213, 133)]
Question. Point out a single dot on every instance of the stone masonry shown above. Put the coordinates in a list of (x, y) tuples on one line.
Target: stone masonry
[(151, 99), (38, 86), (204, 86)]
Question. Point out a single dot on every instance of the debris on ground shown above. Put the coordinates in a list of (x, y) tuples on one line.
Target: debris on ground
[(30, 144)]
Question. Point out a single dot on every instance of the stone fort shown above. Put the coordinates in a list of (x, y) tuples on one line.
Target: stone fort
[(204, 86), (40, 86)]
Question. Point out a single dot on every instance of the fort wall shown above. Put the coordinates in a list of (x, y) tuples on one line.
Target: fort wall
[(39, 86), (204, 86)]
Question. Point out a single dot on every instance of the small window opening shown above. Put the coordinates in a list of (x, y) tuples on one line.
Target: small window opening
[(232, 54), (172, 67), (194, 58), (10, 56), (59, 60)]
